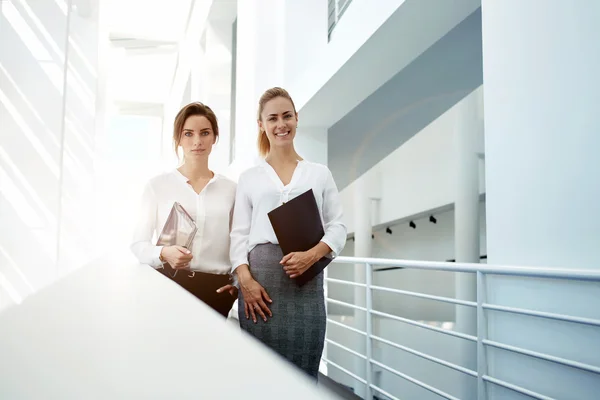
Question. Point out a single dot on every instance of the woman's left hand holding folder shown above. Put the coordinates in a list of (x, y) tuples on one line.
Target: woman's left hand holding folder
[(296, 263)]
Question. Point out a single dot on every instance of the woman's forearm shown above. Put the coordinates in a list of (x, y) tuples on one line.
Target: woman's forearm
[(320, 251)]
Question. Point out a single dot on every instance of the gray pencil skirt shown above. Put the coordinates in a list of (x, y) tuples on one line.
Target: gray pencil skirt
[(297, 329)]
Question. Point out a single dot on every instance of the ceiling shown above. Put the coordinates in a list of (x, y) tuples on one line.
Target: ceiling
[(144, 38)]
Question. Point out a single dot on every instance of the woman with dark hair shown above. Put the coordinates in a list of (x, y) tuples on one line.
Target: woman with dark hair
[(207, 197)]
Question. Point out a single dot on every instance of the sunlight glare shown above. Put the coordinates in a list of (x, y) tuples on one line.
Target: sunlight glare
[(10, 289), (29, 105), (54, 73), (35, 142), (14, 18), (31, 193), (19, 202), (42, 29), (62, 5), (14, 266)]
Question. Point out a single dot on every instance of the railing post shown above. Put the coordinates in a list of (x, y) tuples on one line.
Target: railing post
[(369, 330), (481, 336), (323, 368)]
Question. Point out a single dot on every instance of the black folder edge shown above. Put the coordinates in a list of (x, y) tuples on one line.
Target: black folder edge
[(314, 269)]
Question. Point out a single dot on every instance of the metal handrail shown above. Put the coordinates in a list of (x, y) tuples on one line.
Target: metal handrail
[(481, 270), (426, 296), (531, 272)]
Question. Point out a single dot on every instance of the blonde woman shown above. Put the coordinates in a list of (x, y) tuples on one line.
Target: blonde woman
[(272, 307)]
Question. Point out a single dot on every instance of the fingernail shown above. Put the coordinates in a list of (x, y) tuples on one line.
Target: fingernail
[(218, 290)]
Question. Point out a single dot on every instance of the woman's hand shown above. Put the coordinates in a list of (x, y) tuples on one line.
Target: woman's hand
[(255, 296), (296, 263), (233, 291), (178, 257)]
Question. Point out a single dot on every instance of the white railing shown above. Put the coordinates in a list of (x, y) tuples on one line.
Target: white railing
[(481, 305), (335, 9)]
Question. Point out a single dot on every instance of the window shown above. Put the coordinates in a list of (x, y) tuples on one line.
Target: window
[(335, 10)]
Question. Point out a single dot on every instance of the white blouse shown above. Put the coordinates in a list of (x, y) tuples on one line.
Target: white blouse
[(260, 190), (211, 209)]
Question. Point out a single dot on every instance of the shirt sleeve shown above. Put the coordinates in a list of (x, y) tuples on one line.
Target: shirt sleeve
[(335, 229), (141, 246), (240, 226)]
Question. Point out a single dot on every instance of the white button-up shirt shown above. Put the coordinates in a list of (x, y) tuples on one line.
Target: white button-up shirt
[(211, 210), (260, 190)]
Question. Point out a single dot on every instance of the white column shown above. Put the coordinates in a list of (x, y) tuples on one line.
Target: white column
[(540, 67), (468, 129), (259, 67), (216, 85), (362, 248), (467, 132)]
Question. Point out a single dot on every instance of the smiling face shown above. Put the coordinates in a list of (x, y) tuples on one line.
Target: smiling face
[(197, 137), (279, 120)]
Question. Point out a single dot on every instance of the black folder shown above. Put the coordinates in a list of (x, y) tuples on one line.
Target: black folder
[(298, 227)]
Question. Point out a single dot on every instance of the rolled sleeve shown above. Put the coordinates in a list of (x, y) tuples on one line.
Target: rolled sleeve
[(240, 226), (335, 229), (141, 246)]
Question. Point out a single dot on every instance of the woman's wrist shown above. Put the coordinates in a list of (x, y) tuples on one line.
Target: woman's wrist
[(243, 273), (319, 251)]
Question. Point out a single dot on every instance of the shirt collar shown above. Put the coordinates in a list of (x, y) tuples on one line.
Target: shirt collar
[(184, 179)]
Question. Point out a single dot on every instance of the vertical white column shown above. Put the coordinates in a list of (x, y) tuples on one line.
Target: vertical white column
[(540, 67), (362, 248), (80, 95), (468, 129), (259, 67), (216, 84)]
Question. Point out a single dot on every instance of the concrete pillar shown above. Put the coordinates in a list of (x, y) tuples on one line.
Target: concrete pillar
[(468, 129), (216, 84), (258, 68), (540, 67), (362, 248)]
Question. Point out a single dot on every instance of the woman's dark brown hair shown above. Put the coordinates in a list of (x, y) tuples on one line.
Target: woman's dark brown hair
[(191, 109)]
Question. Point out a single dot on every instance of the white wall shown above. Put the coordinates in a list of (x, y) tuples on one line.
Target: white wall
[(429, 241), (260, 64), (215, 85), (418, 176), (540, 65), (78, 188), (46, 143), (311, 143), (310, 59)]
